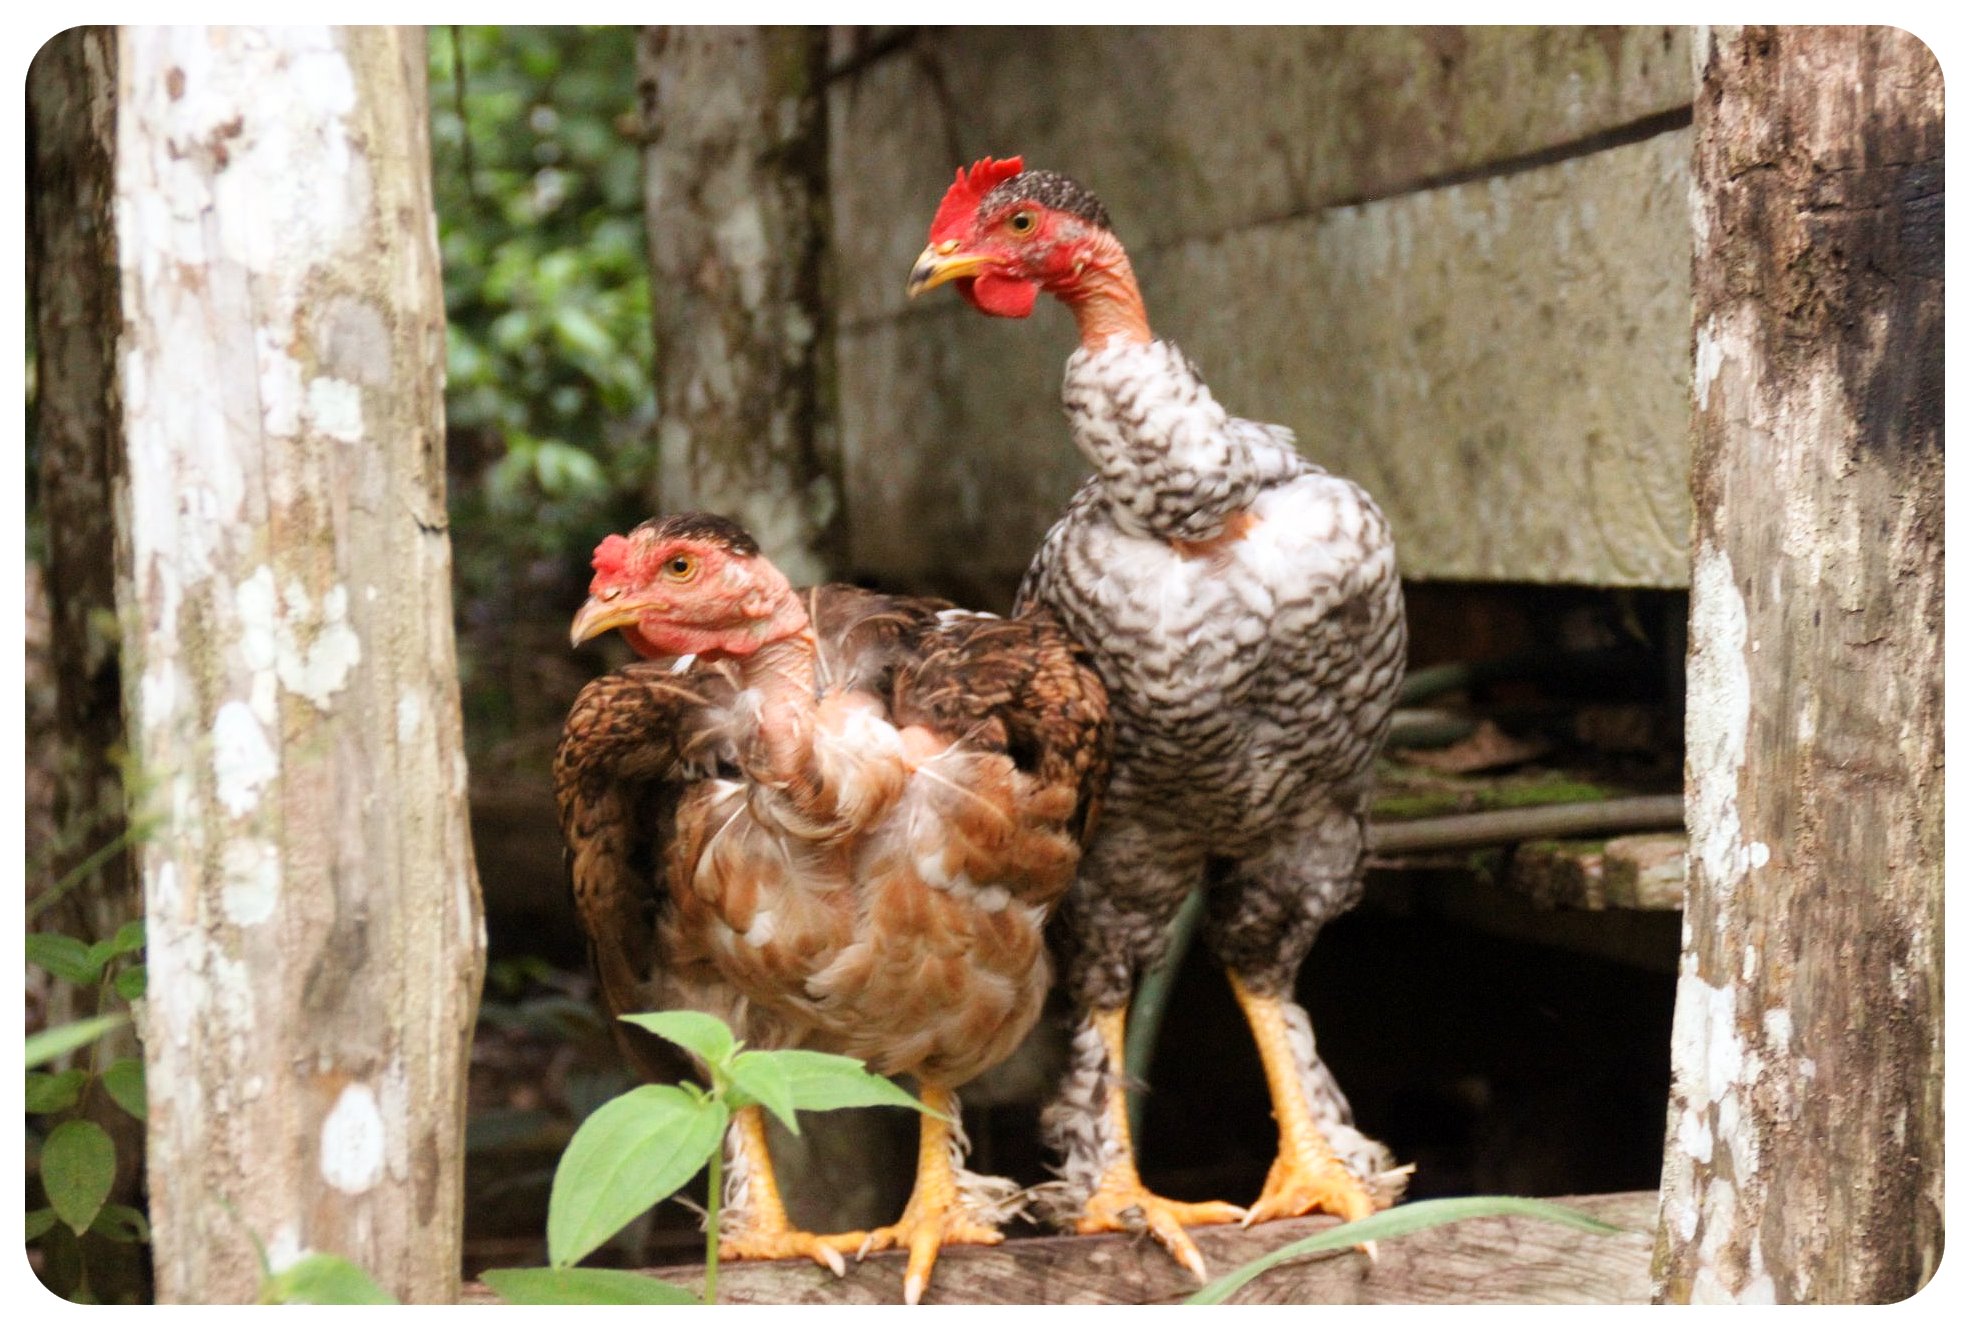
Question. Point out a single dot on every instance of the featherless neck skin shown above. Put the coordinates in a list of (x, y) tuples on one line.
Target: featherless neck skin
[(783, 673), (1104, 297)]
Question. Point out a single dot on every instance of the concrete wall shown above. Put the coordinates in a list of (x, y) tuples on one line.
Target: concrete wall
[(1456, 261)]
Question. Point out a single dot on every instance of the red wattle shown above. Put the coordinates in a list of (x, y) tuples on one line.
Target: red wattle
[(1005, 297)]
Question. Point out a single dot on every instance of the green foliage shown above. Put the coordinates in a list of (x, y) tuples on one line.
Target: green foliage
[(321, 1277), (641, 1146), (77, 1165), (631, 1152), (1403, 1219), (549, 399), (574, 1286)]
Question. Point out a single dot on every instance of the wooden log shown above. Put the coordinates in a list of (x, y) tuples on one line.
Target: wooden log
[(735, 180), (284, 588), (1639, 812), (1477, 1261), (1623, 873), (1644, 872), (1804, 1160)]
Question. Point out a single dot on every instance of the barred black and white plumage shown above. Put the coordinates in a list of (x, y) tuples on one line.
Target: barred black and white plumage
[(1244, 609)]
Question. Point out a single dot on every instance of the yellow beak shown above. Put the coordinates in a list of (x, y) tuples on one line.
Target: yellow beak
[(599, 616), (941, 263)]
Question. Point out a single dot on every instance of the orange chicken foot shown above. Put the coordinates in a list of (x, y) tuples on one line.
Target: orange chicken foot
[(936, 1216), (1307, 1176), (1121, 1204), (761, 1230)]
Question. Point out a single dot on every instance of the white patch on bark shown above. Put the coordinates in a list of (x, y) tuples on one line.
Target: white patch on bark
[(353, 1141), (284, 1247), (335, 408), (249, 885), (1709, 361), (318, 670), (280, 387), (1719, 715), (741, 238), (243, 762), (410, 716)]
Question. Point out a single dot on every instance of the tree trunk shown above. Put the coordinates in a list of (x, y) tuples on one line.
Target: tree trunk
[(1804, 1160), (77, 423), (315, 939), (736, 187), (77, 418)]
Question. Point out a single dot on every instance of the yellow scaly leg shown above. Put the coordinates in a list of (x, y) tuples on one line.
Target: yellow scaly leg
[(1307, 1175), (934, 1218), (1121, 1204), (765, 1234)]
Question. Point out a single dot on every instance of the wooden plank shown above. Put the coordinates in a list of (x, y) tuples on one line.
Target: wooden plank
[(1189, 133), (1806, 1153), (1480, 1260), (1509, 354), (1624, 873)]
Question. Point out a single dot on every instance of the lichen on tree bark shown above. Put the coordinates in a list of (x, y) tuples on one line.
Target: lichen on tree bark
[(735, 179), (315, 940), (1804, 1158)]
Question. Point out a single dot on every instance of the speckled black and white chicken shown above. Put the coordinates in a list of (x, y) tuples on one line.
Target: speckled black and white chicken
[(1244, 609)]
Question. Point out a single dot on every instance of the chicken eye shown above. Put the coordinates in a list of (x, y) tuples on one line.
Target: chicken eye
[(681, 568), (1022, 222)]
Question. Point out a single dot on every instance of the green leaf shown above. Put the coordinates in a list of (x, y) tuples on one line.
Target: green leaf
[(51, 1044), (128, 938), (78, 1165), (121, 1223), (124, 1079), (1395, 1223), (324, 1278), (763, 1080), (52, 1094), (545, 1286), (131, 983), (629, 1154), (40, 1222), (707, 1036), (828, 1080), (64, 957)]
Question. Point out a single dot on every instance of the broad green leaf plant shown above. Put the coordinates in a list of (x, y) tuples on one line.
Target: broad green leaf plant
[(76, 1159), (642, 1146)]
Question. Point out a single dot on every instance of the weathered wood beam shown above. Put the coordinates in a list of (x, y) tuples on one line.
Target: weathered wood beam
[(1639, 812), (1622, 873), (1804, 1161), (1479, 1260)]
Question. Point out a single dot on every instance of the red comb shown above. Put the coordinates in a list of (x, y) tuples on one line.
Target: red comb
[(612, 555), (961, 200)]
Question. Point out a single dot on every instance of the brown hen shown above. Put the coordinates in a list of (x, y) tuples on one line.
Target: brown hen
[(837, 820)]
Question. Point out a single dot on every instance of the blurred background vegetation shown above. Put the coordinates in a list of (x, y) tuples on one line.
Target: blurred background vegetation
[(549, 402)]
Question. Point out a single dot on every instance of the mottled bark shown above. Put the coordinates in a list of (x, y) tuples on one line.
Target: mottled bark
[(284, 586), (736, 206), (1804, 1160), (77, 423), (72, 264)]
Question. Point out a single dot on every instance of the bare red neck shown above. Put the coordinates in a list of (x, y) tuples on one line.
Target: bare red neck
[(1104, 297)]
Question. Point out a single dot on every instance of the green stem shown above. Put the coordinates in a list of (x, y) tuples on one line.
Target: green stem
[(712, 1224), (76, 875), (1152, 999)]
